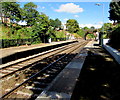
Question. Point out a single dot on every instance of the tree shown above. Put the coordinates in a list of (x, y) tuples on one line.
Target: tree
[(114, 11), (106, 27), (72, 25), (30, 13), (92, 28), (115, 38), (52, 23), (10, 11), (51, 32), (55, 23), (115, 16), (10, 15), (86, 28), (81, 33), (41, 27)]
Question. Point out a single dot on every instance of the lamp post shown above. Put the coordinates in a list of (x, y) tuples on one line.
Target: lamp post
[(101, 39)]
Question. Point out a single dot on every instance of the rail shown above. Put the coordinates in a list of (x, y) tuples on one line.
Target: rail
[(46, 68)]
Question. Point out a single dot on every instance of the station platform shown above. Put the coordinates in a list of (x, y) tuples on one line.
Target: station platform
[(26, 50), (69, 85), (99, 77), (63, 85)]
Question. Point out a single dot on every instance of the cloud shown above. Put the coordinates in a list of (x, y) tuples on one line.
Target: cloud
[(90, 25), (69, 8), (43, 7), (76, 16)]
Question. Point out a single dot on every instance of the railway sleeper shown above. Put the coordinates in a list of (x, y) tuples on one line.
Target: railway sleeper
[(11, 69), (47, 77), (44, 81), (40, 85), (34, 88), (6, 71), (23, 93), (50, 72)]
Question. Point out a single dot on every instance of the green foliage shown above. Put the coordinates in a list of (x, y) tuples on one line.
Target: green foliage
[(115, 38), (51, 32), (21, 33), (105, 36), (85, 31), (92, 28), (90, 36), (37, 24), (26, 33), (30, 13), (76, 35), (60, 34), (81, 33), (108, 27), (5, 34), (36, 40), (11, 10), (38, 27), (72, 26), (55, 23), (17, 42), (115, 11), (41, 27), (85, 28), (52, 23)]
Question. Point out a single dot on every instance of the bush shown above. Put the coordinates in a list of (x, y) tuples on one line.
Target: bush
[(17, 42), (115, 38), (81, 33), (60, 34)]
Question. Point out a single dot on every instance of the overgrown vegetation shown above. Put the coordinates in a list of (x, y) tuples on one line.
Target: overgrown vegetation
[(115, 37), (40, 28), (114, 11), (115, 16), (38, 25)]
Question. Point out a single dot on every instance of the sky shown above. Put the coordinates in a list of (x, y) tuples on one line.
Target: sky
[(86, 13)]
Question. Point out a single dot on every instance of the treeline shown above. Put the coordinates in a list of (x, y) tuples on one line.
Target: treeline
[(114, 34), (40, 28), (38, 25)]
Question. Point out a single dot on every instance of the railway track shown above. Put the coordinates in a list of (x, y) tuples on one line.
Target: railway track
[(39, 80), (11, 68)]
